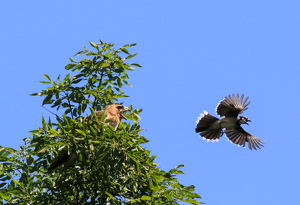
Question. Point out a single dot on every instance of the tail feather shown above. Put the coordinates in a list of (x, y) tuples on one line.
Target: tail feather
[(204, 121), (203, 124), (213, 135), (61, 159)]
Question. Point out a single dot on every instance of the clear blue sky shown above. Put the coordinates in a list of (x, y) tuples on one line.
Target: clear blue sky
[(193, 54)]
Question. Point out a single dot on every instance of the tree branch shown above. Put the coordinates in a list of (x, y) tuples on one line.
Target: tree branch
[(100, 82), (69, 104), (51, 112)]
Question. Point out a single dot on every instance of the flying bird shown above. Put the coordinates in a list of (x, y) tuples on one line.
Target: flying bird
[(114, 112), (211, 128)]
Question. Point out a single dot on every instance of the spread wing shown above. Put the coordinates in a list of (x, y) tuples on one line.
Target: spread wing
[(232, 106), (239, 136)]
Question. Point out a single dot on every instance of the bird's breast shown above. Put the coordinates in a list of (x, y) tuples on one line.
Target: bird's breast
[(227, 122)]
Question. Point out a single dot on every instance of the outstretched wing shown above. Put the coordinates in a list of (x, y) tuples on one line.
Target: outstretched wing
[(239, 136), (232, 106)]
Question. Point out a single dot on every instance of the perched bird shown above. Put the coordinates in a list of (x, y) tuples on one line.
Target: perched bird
[(211, 128), (114, 112)]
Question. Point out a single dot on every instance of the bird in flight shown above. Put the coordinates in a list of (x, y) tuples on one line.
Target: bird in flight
[(212, 128), (114, 112)]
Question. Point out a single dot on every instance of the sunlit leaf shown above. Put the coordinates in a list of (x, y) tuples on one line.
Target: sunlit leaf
[(136, 65)]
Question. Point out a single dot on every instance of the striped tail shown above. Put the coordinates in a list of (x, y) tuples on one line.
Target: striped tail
[(204, 123)]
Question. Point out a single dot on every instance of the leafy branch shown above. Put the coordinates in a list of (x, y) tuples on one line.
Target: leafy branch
[(108, 166)]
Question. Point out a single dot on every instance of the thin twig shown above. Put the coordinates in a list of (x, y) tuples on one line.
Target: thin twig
[(69, 104), (51, 112), (100, 82)]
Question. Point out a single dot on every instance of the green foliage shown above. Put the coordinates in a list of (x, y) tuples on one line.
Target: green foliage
[(109, 167)]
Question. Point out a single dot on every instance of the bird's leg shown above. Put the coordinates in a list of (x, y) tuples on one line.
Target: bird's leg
[(220, 125)]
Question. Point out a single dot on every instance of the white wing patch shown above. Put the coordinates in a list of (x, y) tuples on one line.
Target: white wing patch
[(218, 106), (208, 140)]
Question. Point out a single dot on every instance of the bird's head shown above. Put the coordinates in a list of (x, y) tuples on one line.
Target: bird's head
[(243, 120), (122, 110)]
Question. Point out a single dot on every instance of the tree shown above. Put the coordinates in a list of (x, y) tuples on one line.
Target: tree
[(110, 167)]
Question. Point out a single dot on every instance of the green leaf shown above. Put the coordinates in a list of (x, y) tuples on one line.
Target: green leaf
[(76, 81), (29, 160), (81, 132), (146, 198), (179, 166), (124, 50), (103, 65), (69, 66), (57, 102), (131, 56), (71, 59), (46, 76), (108, 55), (45, 82), (127, 83), (80, 53), (94, 45), (47, 100), (136, 65), (92, 147), (119, 82), (130, 45), (102, 116), (44, 124)]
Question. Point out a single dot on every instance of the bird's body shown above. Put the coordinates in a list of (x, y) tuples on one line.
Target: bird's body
[(211, 128), (224, 122), (114, 112)]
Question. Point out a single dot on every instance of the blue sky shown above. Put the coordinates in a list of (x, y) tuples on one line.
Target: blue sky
[(193, 53)]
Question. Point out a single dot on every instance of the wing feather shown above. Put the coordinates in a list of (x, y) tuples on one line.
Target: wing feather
[(250, 144), (232, 106), (239, 136)]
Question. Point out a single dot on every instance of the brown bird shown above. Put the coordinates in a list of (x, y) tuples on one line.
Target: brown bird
[(211, 128), (114, 112)]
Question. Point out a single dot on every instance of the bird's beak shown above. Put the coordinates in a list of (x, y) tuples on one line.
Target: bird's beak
[(124, 117), (125, 110)]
